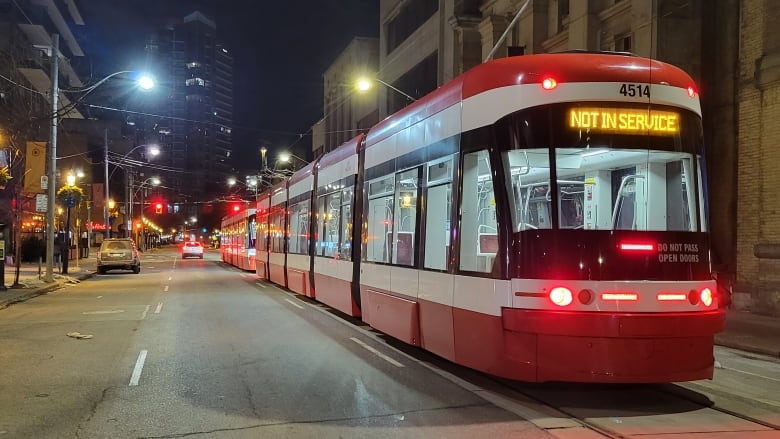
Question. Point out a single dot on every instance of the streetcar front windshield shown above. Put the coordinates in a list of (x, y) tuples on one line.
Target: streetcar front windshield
[(604, 179)]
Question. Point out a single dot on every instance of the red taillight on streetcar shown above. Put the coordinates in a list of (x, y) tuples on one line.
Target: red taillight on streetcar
[(620, 296), (549, 83), (637, 246), (561, 296), (691, 91), (672, 297)]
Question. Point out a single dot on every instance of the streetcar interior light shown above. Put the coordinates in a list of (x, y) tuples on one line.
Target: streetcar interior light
[(561, 296), (620, 296), (706, 296), (691, 91), (549, 83), (636, 246)]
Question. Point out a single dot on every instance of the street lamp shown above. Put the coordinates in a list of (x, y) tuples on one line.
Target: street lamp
[(364, 84), (152, 150), (145, 83)]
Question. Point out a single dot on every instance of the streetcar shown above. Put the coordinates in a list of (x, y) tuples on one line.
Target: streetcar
[(237, 239), (538, 218)]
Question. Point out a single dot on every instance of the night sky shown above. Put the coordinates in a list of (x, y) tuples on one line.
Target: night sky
[(280, 50)]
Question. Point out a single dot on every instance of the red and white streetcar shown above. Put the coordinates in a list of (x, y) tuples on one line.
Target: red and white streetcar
[(539, 218)]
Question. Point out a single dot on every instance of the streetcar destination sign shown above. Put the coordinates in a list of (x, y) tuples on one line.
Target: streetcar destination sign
[(625, 121)]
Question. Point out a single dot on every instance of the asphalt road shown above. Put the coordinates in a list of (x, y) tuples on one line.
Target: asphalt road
[(196, 349)]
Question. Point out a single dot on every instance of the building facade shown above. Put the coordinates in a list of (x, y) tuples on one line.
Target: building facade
[(758, 206), (196, 130)]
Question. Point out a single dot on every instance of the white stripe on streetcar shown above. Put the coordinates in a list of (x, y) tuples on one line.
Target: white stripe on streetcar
[(159, 307), (139, 366), (293, 303), (377, 353)]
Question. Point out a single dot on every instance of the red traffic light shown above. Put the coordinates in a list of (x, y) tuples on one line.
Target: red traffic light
[(158, 208)]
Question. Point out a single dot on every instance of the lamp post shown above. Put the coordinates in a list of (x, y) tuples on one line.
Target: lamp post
[(364, 84), (144, 82)]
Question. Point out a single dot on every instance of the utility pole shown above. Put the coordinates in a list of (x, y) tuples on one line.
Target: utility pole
[(105, 192), (52, 174)]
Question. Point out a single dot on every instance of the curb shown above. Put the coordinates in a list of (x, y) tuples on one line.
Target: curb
[(748, 348), (28, 293)]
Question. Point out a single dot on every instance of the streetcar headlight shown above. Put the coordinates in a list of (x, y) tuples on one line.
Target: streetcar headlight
[(561, 296), (706, 296)]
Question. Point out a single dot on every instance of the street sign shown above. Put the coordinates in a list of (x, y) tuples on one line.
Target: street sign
[(44, 182), (41, 202)]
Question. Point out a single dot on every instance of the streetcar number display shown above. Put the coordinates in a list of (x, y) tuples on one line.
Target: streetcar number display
[(635, 90)]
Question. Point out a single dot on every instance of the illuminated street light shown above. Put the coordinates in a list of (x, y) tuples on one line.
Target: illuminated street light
[(52, 168), (365, 84)]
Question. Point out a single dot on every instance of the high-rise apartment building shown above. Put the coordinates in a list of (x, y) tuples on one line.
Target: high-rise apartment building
[(196, 102)]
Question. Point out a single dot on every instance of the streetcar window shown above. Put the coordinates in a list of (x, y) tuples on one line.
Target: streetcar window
[(403, 234), (277, 229), (262, 229), (437, 226), (478, 228), (345, 249), (625, 189), (438, 213), (252, 232), (379, 222), (529, 171), (299, 228), (331, 214)]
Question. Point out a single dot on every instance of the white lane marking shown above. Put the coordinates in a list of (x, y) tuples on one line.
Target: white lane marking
[(146, 310), (100, 297), (260, 284), (293, 303), (159, 307), (169, 277), (139, 366), (113, 311), (165, 289), (377, 353)]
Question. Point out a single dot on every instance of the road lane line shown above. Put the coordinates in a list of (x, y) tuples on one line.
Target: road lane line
[(159, 307), (294, 304), (260, 284), (377, 353), (170, 277), (139, 366), (146, 310), (165, 289)]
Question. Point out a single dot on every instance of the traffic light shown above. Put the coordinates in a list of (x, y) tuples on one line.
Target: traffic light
[(158, 208)]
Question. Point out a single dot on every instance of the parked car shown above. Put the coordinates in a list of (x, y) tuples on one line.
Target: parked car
[(118, 253), (193, 249)]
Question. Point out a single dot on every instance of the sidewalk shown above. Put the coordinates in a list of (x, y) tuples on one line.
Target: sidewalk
[(31, 283), (744, 331)]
